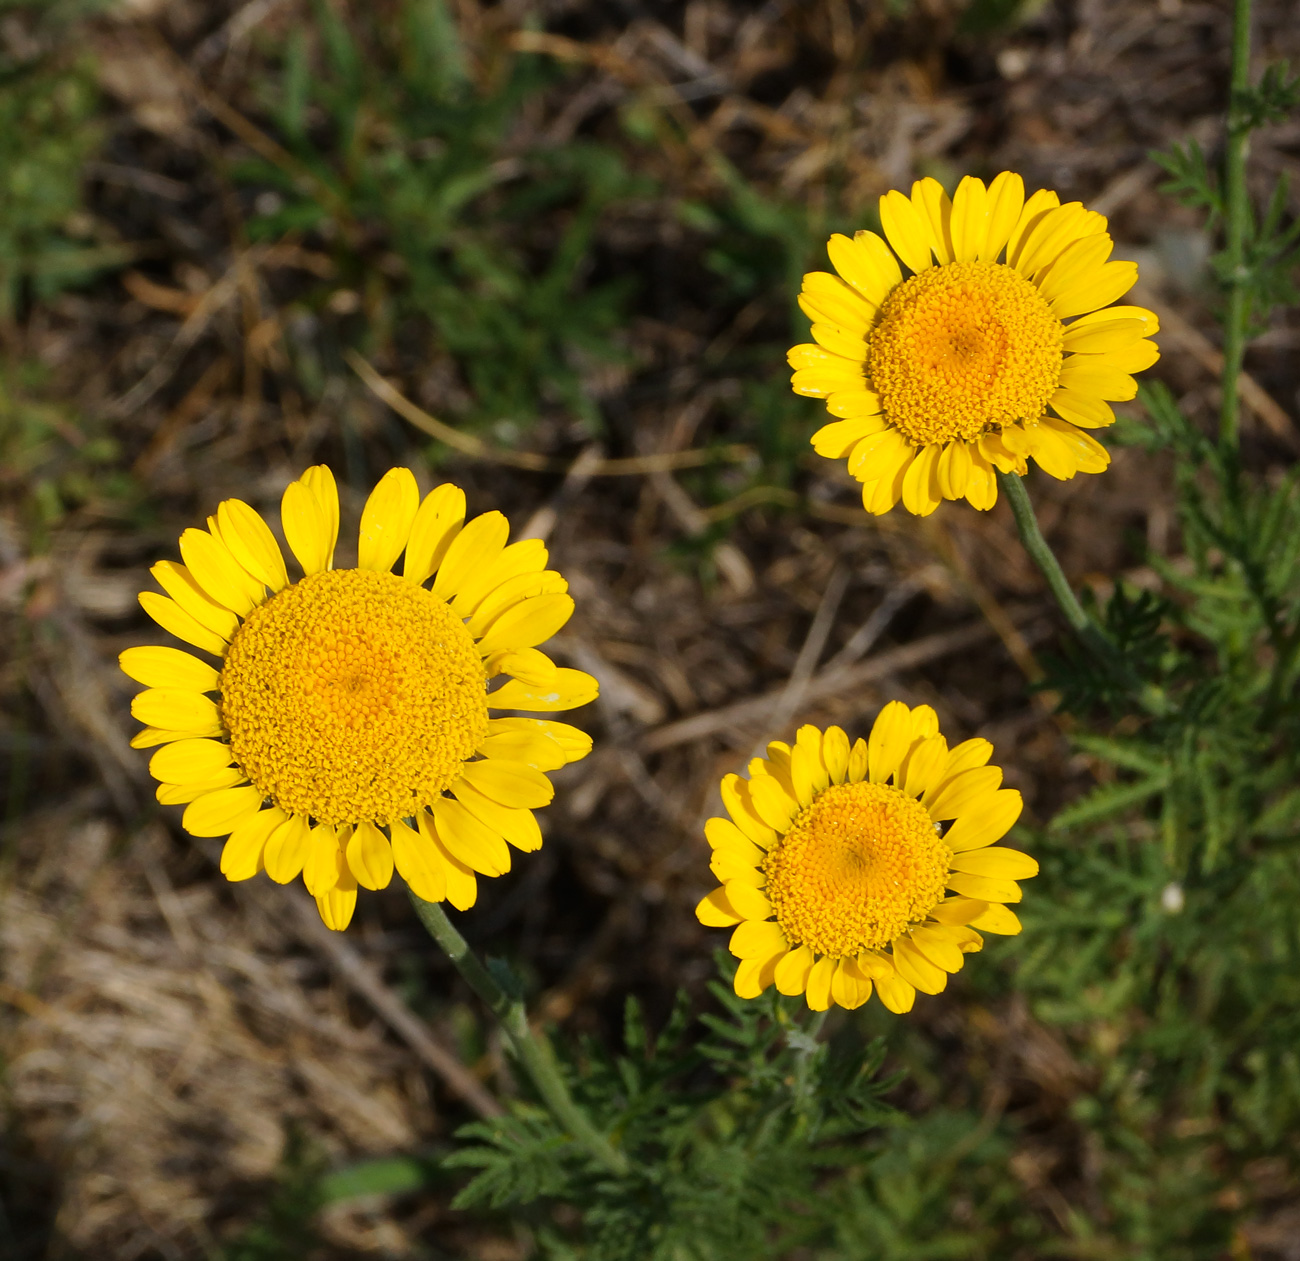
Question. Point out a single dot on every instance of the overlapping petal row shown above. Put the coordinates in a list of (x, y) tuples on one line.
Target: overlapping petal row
[(938, 379), (346, 732), (847, 868)]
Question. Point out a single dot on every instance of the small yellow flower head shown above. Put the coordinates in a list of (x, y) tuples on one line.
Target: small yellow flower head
[(942, 377), (351, 731), (835, 861)]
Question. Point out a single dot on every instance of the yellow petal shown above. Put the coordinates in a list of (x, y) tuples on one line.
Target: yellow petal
[(839, 341), (826, 299), (323, 864), (218, 573), (932, 204), (528, 556), (535, 748), (475, 548), (880, 496), (320, 481), (1066, 443), (986, 888), (757, 939), (791, 974), (997, 919), (716, 911), (174, 709), (772, 803), (850, 988), (1150, 324), (1057, 229), (895, 993), (739, 804), (180, 584), (749, 901), (528, 665), (337, 906), (835, 753), (726, 866), (518, 826), (152, 736), (571, 689), (168, 668), (858, 762), (1031, 216), (241, 856), (982, 486), (953, 471), (866, 263), (512, 592), (954, 912), (916, 969), (880, 455), (923, 765), (386, 521), (1100, 336), (986, 820), (437, 522), (854, 404), (753, 976), (306, 528), (1006, 199), (723, 834), (1110, 281), (891, 735), (370, 858), (969, 225), (921, 493), (963, 790), (513, 784), (999, 863), (1082, 409), (802, 772), (219, 813), (907, 231), (1075, 266), (418, 863), (836, 440), (189, 761), (937, 947), (182, 794), (964, 757), (818, 989), (1135, 358), (286, 849), (1091, 375), (474, 843), (251, 543), (462, 886), (174, 619), (574, 743), (527, 624)]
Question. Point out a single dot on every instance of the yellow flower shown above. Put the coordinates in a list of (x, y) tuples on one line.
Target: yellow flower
[(943, 377), (351, 731), (834, 877)]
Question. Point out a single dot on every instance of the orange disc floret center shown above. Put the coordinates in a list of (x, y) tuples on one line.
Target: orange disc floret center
[(962, 350), (856, 868), (353, 695)]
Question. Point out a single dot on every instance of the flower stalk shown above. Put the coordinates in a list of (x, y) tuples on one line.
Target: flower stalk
[(1236, 224), (531, 1047)]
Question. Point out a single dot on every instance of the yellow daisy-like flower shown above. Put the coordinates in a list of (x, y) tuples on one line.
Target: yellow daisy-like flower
[(835, 862), (942, 377), (351, 731)]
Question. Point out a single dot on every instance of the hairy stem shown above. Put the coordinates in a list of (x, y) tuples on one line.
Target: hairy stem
[(1236, 219), (531, 1047)]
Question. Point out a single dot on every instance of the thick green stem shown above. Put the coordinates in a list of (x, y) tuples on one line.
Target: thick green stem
[(1150, 697), (1236, 221), (531, 1047)]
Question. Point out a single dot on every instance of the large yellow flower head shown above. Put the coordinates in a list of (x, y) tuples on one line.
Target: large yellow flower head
[(835, 862), (945, 375), (351, 730)]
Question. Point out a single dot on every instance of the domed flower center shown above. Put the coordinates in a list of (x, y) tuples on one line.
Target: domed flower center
[(856, 868), (963, 349), (353, 695)]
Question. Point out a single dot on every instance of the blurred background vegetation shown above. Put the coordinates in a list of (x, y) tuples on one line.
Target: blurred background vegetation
[(573, 230)]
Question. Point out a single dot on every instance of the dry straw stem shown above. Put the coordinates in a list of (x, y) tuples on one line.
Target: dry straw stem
[(467, 444)]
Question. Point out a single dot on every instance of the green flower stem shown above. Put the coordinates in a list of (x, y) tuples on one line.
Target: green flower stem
[(531, 1047), (1236, 221), (1151, 698)]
